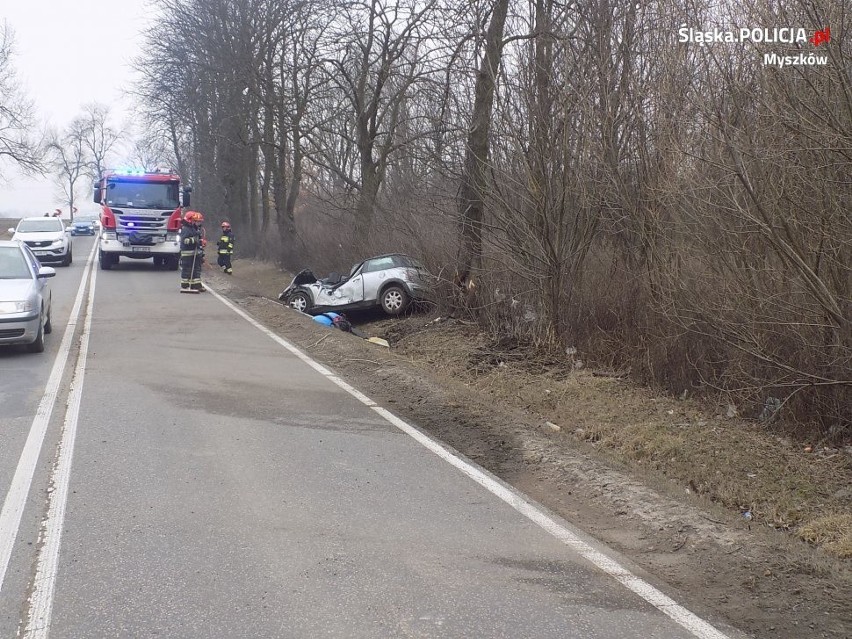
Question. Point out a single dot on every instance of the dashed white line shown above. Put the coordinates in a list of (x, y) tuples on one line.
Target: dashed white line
[(16, 498), (662, 602)]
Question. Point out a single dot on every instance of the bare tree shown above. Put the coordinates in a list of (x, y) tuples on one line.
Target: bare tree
[(153, 148), (377, 64), (17, 114), (100, 137), (70, 159)]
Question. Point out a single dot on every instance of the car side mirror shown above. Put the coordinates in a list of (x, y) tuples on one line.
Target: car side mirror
[(46, 271), (11, 230)]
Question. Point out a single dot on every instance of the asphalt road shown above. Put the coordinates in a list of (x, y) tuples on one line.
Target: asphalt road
[(220, 486)]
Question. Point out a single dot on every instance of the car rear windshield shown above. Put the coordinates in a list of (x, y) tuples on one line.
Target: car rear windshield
[(13, 265), (40, 225)]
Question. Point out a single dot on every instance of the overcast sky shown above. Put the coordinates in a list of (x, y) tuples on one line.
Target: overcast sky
[(70, 53)]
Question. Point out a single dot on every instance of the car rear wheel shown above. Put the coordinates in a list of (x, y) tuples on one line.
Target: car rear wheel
[(394, 300), (300, 301), (38, 345)]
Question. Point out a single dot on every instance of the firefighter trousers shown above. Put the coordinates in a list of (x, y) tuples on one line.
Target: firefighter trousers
[(190, 270)]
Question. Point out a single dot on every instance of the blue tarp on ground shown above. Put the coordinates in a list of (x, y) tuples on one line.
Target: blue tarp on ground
[(326, 319)]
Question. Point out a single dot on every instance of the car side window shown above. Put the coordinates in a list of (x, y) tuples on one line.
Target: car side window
[(379, 264)]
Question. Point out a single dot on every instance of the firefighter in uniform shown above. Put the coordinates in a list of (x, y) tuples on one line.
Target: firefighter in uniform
[(226, 248), (191, 252)]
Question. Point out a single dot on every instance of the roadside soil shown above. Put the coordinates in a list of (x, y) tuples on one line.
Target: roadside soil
[(740, 521)]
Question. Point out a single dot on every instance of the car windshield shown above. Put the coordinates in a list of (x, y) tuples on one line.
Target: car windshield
[(143, 195), (13, 265), (40, 225)]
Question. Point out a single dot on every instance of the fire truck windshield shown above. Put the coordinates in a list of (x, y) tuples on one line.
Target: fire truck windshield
[(143, 195)]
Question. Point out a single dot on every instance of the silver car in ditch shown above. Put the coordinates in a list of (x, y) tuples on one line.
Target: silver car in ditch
[(25, 297), (390, 281)]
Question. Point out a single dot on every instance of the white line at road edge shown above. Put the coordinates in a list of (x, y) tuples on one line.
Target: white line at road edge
[(16, 498), (37, 624), (688, 620)]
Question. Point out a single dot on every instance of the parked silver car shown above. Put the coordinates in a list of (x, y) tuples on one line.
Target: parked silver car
[(389, 281), (25, 297)]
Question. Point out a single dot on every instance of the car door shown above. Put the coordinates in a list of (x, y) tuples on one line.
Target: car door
[(40, 283), (375, 274)]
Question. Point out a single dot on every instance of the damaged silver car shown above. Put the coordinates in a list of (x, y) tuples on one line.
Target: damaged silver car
[(391, 282)]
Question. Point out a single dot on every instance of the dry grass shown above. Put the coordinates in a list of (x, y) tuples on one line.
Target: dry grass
[(832, 532)]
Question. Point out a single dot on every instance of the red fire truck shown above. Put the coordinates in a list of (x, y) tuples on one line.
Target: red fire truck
[(140, 216)]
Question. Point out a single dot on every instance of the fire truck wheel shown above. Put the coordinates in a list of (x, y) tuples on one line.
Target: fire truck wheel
[(106, 261), (172, 262)]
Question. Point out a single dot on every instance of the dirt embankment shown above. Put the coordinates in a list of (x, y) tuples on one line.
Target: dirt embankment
[(715, 506)]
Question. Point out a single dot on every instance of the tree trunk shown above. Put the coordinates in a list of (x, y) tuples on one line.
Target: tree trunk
[(370, 182), (474, 177)]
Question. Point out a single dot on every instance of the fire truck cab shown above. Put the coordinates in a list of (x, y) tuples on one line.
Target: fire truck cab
[(140, 216)]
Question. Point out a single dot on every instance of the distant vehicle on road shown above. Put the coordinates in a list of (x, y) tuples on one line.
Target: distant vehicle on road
[(47, 237), (84, 226), (25, 297), (390, 281)]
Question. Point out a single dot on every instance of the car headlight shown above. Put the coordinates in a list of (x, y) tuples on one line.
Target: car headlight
[(57, 243), (16, 307)]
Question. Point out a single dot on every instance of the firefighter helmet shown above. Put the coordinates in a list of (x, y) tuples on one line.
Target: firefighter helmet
[(193, 217), (226, 226)]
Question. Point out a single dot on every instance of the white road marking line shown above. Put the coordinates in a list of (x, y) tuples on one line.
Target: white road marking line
[(16, 498), (516, 500), (680, 615), (41, 600)]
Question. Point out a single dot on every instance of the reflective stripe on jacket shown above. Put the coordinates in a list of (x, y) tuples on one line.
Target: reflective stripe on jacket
[(226, 244)]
